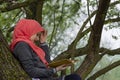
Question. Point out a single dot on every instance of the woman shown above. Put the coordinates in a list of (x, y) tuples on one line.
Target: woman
[(34, 59)]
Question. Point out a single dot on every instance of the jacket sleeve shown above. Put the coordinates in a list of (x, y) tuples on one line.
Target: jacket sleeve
[(45, 48), (23, 54)]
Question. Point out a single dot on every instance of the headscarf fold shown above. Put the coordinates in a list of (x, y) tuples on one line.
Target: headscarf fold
[(23, 30)]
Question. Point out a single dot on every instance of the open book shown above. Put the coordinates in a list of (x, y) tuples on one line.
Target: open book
[(61, 62)]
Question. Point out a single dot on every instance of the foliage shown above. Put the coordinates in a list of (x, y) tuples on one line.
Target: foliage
[(63, 19)]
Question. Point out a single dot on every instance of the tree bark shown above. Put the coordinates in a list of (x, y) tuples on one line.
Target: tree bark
[(9, 66), (93, 44), (104, 70), (16, 6), (36, 11)]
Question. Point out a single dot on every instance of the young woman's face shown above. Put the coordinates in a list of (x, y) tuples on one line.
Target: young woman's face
[(35, 37)]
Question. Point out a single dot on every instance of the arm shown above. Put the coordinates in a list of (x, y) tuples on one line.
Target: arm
[(23, 54), (43, 44), (45, 48)]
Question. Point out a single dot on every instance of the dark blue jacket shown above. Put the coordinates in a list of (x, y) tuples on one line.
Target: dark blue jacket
[(31, 63)]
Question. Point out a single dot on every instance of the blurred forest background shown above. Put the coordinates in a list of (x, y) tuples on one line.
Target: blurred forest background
[(86, 30)]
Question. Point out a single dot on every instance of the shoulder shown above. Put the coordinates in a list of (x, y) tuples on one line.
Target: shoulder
[(22, 51), (21, 45)]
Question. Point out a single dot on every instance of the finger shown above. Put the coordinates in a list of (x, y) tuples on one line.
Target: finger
[(64, 65), (46, 32), (64, 68)]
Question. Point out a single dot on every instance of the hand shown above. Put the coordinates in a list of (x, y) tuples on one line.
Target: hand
[(43, 36), (62, 67)]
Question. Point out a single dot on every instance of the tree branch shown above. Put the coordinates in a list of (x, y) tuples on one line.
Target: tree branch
[(112, 20), (67, 54), (1, 1), (16, 5), (93, 44), (78, 37), (83, 51), (39, 11), (88, 10), (115, 3), (78, 52), (56, 26), (104, 70), (110, 52)]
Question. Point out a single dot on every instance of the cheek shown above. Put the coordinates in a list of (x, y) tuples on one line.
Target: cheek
[(36, 38)]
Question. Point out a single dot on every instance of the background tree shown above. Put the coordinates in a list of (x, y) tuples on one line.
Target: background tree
[(75, 32)]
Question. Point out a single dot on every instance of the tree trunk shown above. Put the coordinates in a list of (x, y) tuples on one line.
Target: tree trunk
[(35, 11), (94, 41), (9, 66)]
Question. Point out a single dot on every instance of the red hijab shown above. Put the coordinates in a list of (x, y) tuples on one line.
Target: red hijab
[(24, 29)]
